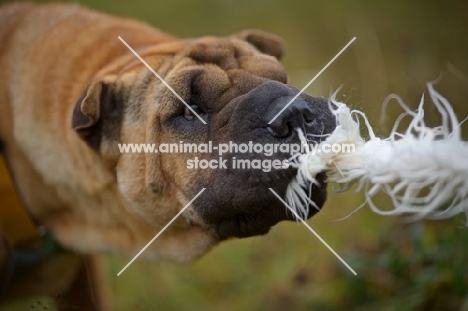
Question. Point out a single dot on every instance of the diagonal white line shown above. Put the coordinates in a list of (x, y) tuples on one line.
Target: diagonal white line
[(159, 233), (315, 233), (313, 79), (162, 80)]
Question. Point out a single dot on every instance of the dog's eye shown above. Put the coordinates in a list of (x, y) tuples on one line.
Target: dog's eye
[(189, 115)]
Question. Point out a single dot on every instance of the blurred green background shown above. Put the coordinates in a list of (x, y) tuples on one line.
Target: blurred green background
[(401, 45)]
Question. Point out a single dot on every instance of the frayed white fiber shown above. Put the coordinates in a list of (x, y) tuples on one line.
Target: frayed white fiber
[(423, 170)]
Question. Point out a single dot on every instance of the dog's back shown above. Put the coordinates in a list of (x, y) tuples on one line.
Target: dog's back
[(42, 70), (10, 15), (58, 48)]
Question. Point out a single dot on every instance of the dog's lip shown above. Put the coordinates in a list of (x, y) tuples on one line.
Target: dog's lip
[(242, 225)]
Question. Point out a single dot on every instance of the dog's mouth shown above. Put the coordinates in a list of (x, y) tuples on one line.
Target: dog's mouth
[(253, 211), (238, 201), (246, 225)]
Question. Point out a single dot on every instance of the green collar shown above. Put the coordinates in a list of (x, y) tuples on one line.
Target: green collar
[(26, 243)]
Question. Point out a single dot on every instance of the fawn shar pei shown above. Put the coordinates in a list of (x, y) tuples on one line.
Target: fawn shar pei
[(71, 92)]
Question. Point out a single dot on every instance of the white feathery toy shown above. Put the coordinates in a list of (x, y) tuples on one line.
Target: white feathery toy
[(423, 170)]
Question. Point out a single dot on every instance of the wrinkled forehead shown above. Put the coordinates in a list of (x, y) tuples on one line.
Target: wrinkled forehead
[(227, 53), (219, 69)]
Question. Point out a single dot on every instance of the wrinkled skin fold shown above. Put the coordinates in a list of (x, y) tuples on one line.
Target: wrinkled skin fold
[(71, 92)]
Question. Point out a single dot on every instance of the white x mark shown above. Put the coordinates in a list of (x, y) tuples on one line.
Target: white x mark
[(313, 79), (312, 230), (160, 78), (160, 232)]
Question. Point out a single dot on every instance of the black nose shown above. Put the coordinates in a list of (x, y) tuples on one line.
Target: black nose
[(290, 113)]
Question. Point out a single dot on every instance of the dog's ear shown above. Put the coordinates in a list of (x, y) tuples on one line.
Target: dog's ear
[(97, 113), (265, 42)]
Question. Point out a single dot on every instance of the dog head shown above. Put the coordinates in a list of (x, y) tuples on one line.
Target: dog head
[(236, 86)]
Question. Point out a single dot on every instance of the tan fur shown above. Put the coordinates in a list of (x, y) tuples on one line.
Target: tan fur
[(102, 202)]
